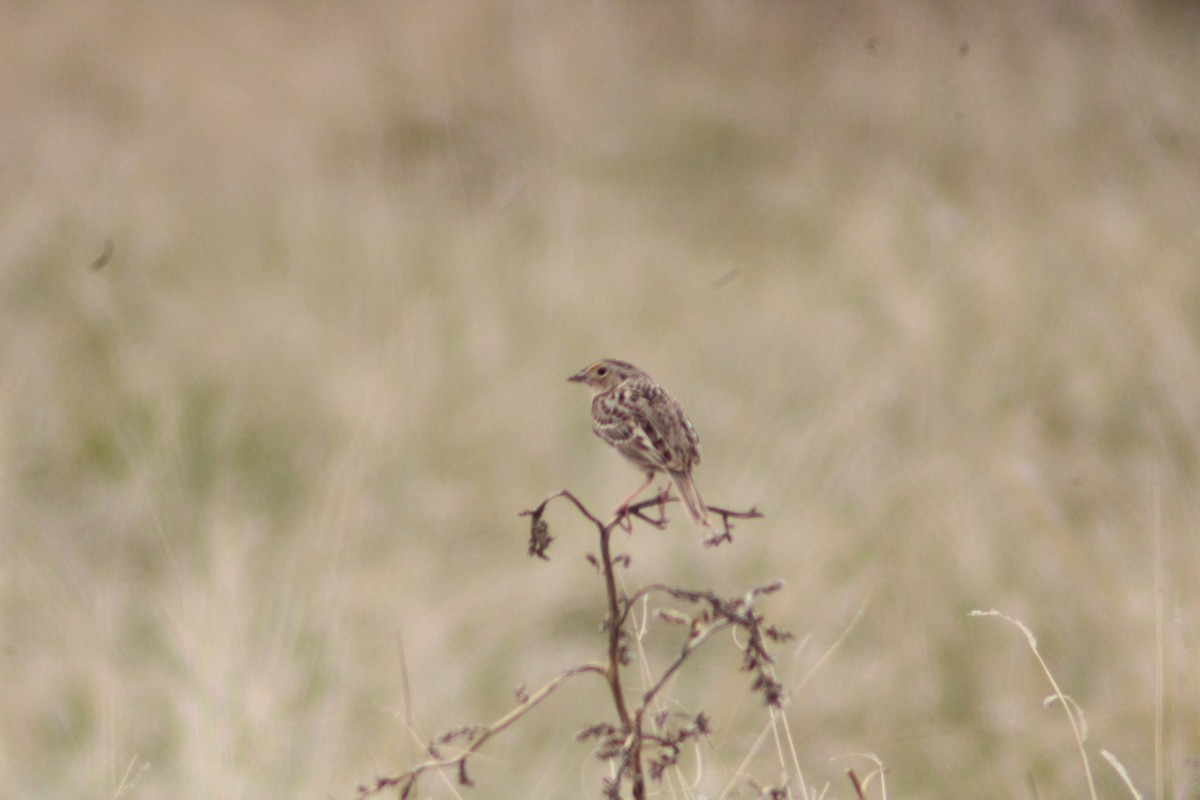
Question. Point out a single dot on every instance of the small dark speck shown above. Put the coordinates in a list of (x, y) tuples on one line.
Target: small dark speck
[(105, 256), (871, 45), (964, 49), (727, 278)]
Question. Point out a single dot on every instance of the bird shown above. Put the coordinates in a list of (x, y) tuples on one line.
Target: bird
[(635, 415)]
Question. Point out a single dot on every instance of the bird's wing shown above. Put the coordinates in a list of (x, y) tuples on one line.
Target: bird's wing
[(620, 420), (611, 422), (663, 427)]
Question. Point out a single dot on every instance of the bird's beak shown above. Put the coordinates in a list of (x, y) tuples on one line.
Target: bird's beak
[(579, 377)]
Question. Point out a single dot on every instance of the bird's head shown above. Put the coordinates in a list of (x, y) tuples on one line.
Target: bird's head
[(606, 373)]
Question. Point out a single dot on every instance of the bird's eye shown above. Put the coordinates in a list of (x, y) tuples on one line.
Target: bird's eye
[(601, 372)]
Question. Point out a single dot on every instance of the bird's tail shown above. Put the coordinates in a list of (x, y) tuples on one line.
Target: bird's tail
[(691, 498)]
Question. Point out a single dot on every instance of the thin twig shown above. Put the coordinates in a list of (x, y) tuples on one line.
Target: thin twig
[(406, 780), (614, 622), (625, 744), (693, 644), (858, 787)]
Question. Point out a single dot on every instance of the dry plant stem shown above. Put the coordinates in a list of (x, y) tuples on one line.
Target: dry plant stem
[(619, 608), (614, 623), (624, 743), (689, 647), (639, 510), (615, 619), (407, 780), (1069, 706), (858, 787)]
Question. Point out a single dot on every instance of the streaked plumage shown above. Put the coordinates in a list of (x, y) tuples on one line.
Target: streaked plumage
[(637, 417)]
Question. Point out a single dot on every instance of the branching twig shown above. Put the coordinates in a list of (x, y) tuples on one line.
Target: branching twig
[(726, 532), (627, 743), (540, 538), (476, 735)]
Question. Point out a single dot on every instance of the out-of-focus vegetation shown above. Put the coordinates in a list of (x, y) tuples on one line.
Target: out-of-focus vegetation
[(925, 277)]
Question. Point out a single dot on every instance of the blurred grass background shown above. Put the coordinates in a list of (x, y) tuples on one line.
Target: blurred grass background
[(924, 276)]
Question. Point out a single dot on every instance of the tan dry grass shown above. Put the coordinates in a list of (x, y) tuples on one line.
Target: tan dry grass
[(358, 249)]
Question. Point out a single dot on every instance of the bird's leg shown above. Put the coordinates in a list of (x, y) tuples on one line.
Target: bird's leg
[(623, 509)]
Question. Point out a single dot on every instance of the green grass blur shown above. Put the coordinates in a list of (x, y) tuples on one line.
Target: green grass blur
[(925, 276)]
